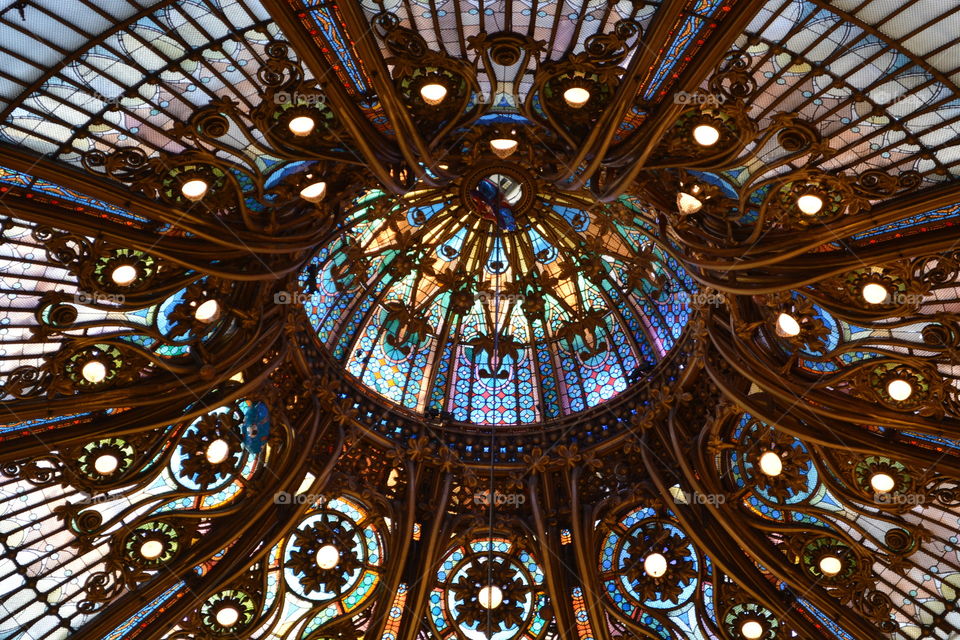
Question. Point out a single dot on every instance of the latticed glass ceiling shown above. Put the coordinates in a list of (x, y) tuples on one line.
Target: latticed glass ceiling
[(532, 320)]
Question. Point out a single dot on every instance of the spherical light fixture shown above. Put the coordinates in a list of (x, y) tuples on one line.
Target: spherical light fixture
[(217, 451), (227, 616), (688, 204), (490, 597), (301, 126), (899, 389), (771, 464), (882, 482), (576, 97), (503, 147), (874, 293), (106, 463), (207, 311), (124, 275), (151, 549), (194, 190), (328, 556), (830, 565), (433, 93), (810, 204), (314, 192), (751, 629), (655, 565), (787, 325), (706, 135), (94, 371)]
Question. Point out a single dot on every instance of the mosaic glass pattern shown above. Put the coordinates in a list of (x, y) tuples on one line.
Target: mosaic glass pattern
[(442, 311)]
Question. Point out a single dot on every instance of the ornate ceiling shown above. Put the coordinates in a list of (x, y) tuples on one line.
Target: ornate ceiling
[(468, 319)]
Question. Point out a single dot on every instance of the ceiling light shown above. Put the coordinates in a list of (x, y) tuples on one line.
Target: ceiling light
[(217, 451), (94, 371), (576, 97), (788, 325), (771, 464), (194, 190), (706, 135), (490, 597), (899, 389), (301, 126), (207, 311), (106, 463), (830, 565), (882, 482), (123, 275), (503, 147), (655, 565), (751, 629), (151, 549), (874, 293), (328, 556), (810, 204), (688, 204), (228, 616), (314, 192), (433, 93)]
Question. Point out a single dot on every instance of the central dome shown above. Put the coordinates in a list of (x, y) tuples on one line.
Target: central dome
[(497, 299)]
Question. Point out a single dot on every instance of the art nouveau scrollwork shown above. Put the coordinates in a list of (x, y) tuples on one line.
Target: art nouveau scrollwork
[(394, 343)]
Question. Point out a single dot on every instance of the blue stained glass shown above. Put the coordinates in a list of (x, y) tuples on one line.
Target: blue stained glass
[(933, 218), (450, 249), (577, 218), (52, 190), (543, 250), (692, 27), (494, 305), (332, 30), (131, 625), (826, 620)]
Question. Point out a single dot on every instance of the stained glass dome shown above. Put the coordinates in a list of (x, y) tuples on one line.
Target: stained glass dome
[(499, 301), (479, 320)]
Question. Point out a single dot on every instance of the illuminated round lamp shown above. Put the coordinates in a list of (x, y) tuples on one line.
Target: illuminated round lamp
[(787, 325), (882, 482), (874, 293), (106, 463), (899, 389), (194, 190), (655, 565), (433, 93), (151, 549), (576, 97), (830, 565), (328, 556), (810, 204), (207, 311), (301, 126), (688, 204), (217, 451), (706, 135), (771, 464), (751, 629), (503, 147), (94, 371), (490, 597), (227, 616), (314, 192), (124, 275)]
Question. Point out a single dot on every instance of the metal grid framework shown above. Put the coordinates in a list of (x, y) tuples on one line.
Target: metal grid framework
[(621, 383)]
